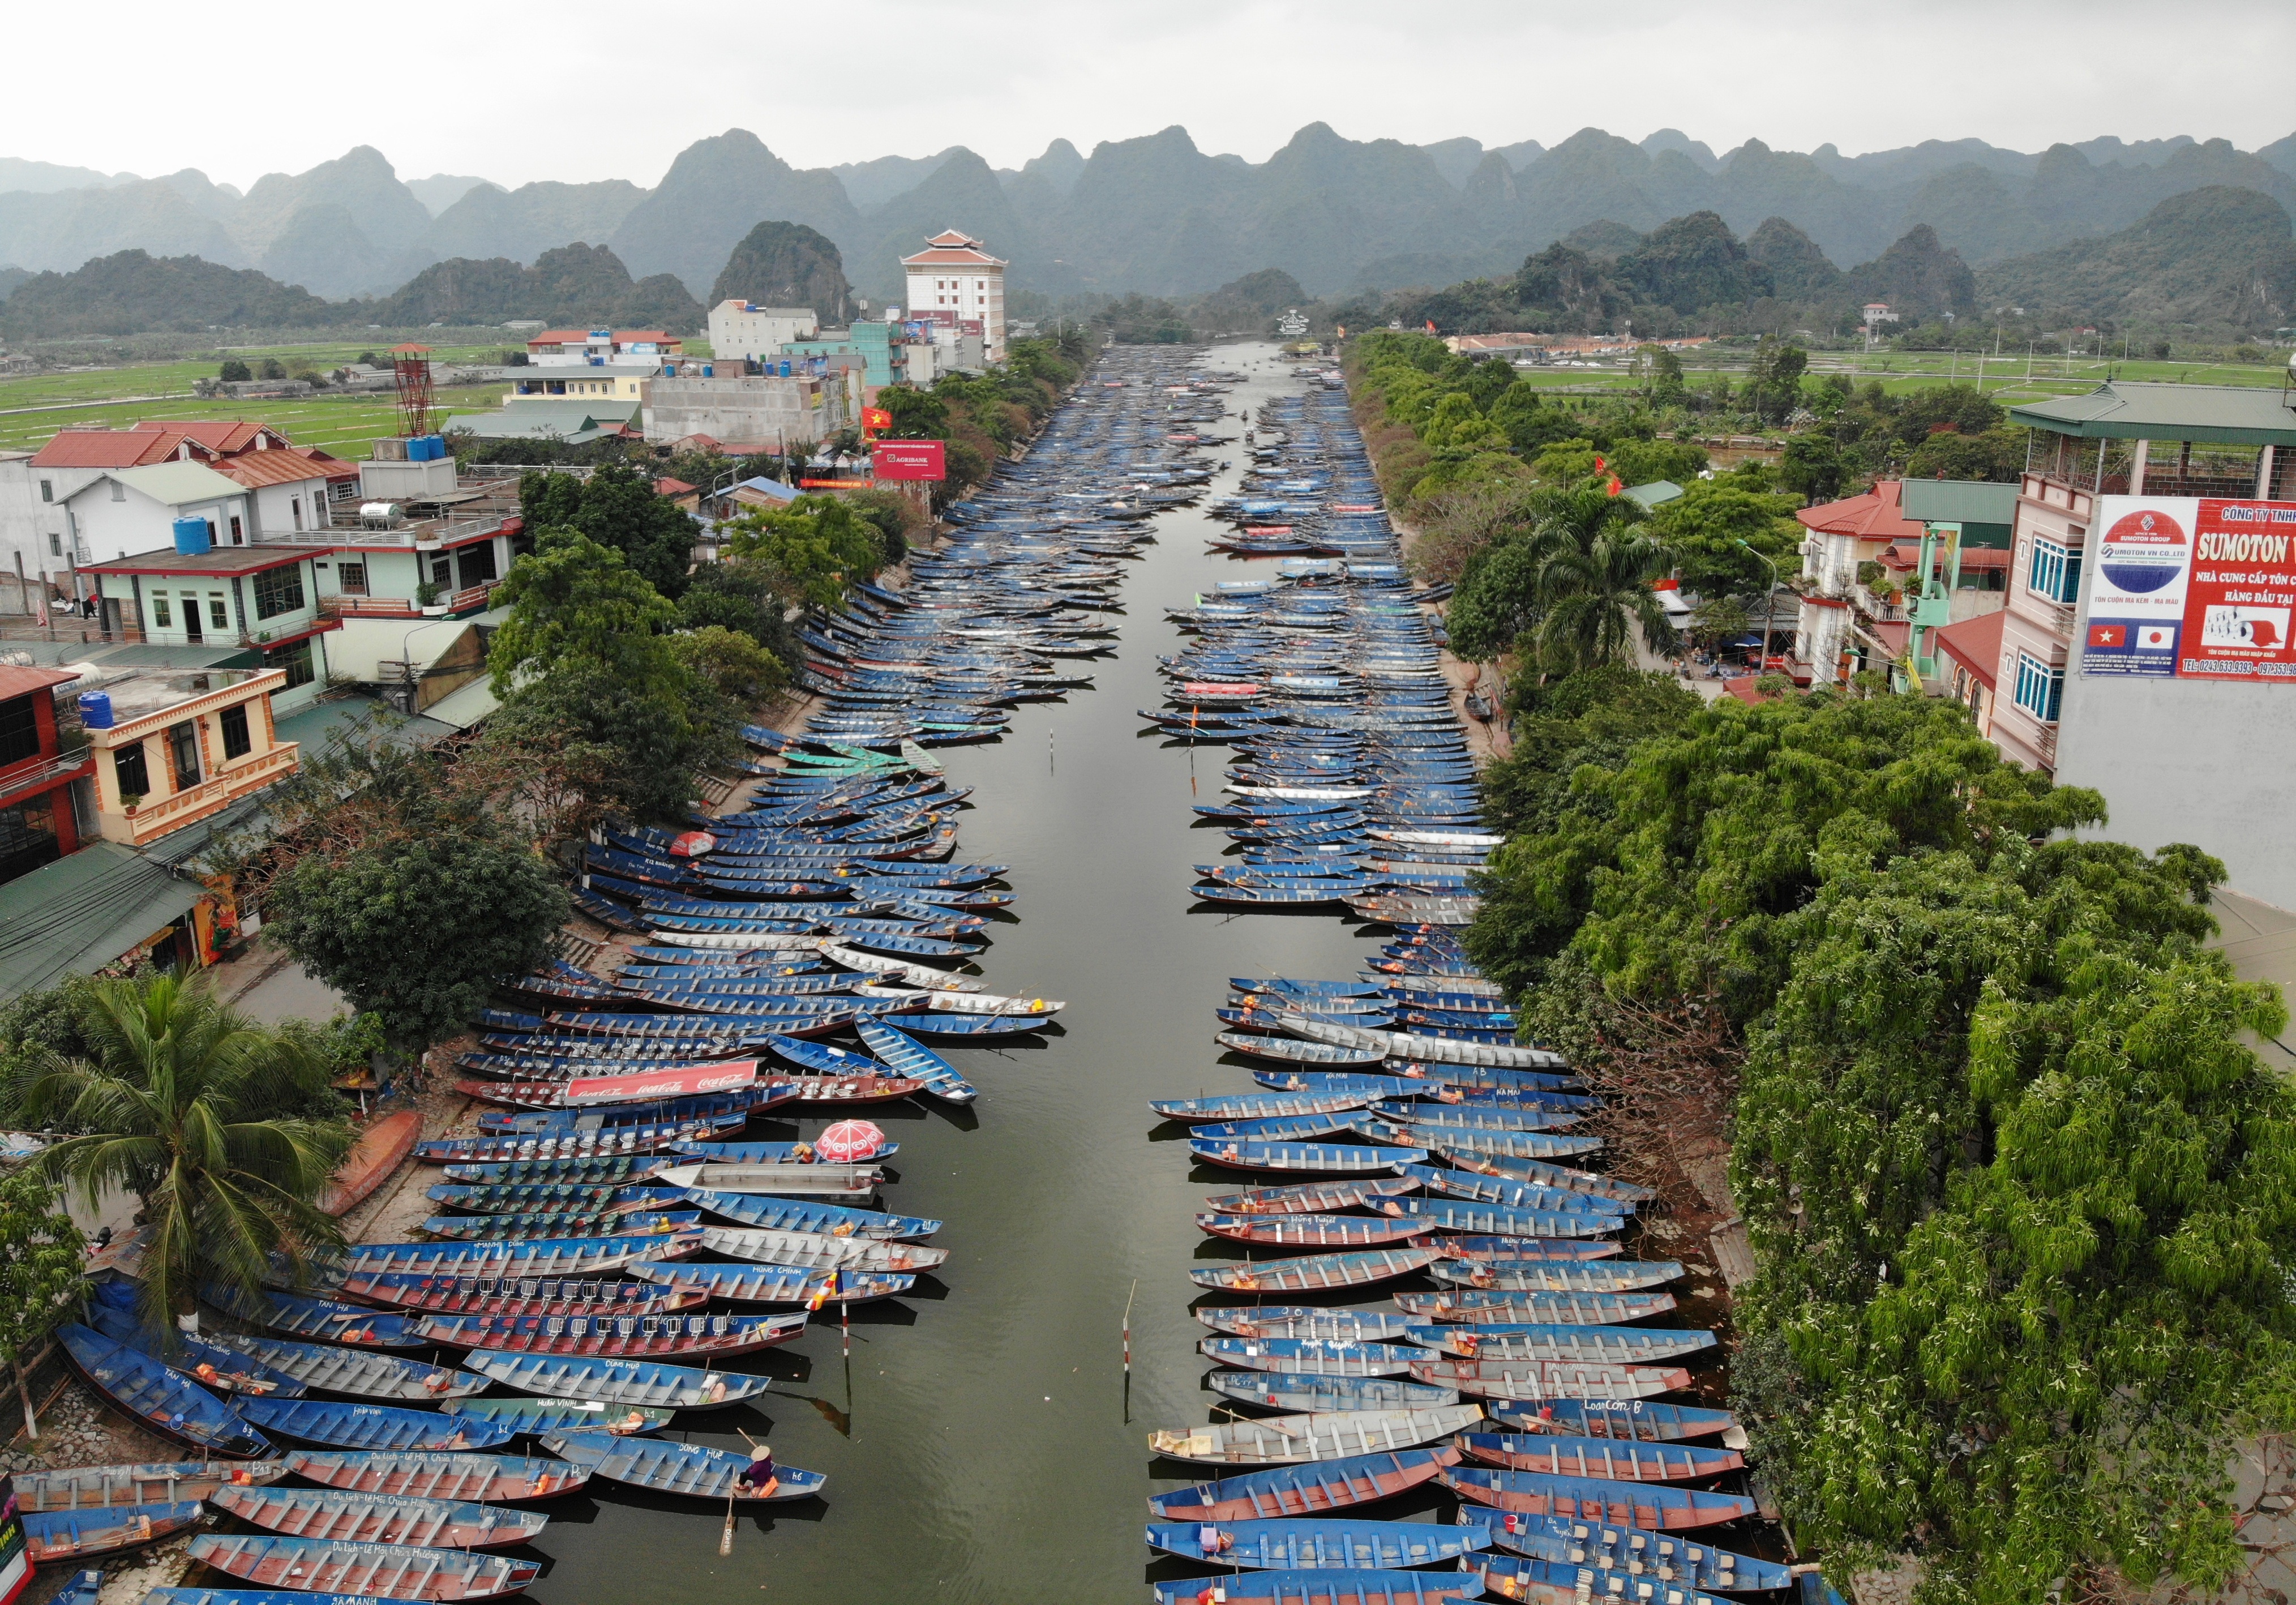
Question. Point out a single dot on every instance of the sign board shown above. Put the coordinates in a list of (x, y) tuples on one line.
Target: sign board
[(909, 460), (2192, 588), (15, 1563), (682, 1081), (834, 484)]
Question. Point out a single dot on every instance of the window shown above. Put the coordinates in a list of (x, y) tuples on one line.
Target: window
[(278, 591), (295, 507), (47, 490), (2055, 571), (237, 539), (2041, 689), (27, 836), (162, 617), (476, 564), (296, 660), (119, 491), (218, 611), (183, 747), (350, 578), (128, 768), (55, 544), (20, 731), (236, 742)]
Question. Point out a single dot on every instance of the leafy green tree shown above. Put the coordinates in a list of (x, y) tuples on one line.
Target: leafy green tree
[(1774, 381), (617, 508), (1497, 602), (814, 548), (176, 1103), (42, 1261), (1996, 455), (419, 928), (1811, 466), (1572, 555), (1595, 601), (733, 664), (740, 594), (271, 368), (1591, 716), (573, 596), (1705, 525), (234, 372)]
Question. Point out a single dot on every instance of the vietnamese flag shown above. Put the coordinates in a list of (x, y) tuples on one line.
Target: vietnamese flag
[(1613, 486), (2108, 636), (1430, 325)]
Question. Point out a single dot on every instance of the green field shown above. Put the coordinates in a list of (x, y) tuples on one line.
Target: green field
[(34, 407)]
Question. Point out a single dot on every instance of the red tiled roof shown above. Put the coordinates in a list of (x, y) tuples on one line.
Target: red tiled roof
[(22, 682), (939, 257), (252, 469), (106, 449), (227, 435), (1975, 643), (667, 487), (1876, 516)]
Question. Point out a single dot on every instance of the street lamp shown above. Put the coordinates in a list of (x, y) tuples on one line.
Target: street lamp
[(407, 664), (1769, 605)]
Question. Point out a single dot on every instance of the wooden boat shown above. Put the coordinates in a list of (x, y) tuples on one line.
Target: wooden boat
[(537, 1257), (554, 1223), (337, 1515), (1538, 1274), (301, 1316), (1465, 1215), (1351, 1587), (1506, 1194), (833, 1184), (1414, 1049), (530, 1198), (1312, 1356), (1637, 1421), (716, 1336), (770, 1153), (1607, 1549), (1654, 1508), (791, 1215), (380, 1151), (671, 1467), (384, 1571), (53, 1537), (1452, 1141), (1290, 1542), (521, 1295), (1290, 1129), (356, 1372), (620, 1170), (1308, 1230), (818, 1250), (371, 1426), (910, 1058), (1541, 1582), (143, 1388), (1511, 1250), (1560, 1341), (1312, 1198), (779, 1284), (1289, 1439), (503, 1147), (1307, 1394), (1469, 1117), (211, 1365), (150, 1482), (1337, 1158), (483, 1478), (1549, 1379), (1306, 1490), (1290, 1050), (530, 1417), (1552, 1176), (610, 1381), (1256, 1106), (1305, 1321), (1316, 1272), (1603, 1457)]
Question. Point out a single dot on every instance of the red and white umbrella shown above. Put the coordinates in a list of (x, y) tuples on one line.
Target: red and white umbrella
[(693, 844), (848, 1141)]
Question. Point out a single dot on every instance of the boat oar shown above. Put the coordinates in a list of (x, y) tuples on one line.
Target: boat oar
[(725, 1538)]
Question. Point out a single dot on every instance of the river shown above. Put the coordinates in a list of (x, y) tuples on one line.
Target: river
[(990, 1457)]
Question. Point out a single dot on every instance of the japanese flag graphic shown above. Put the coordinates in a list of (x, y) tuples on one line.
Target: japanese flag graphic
[(2156, 637)]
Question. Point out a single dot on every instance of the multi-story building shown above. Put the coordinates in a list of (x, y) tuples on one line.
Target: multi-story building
[(1883, 573), (747, 330), (597, 348), (38, 823), (755, 413), (172, 749), (954, 280)]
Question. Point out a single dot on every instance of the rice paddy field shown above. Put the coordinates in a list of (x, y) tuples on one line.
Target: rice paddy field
[(2009, 379)]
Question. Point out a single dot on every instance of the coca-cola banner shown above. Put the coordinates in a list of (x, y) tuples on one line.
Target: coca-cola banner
[(679, 1082)]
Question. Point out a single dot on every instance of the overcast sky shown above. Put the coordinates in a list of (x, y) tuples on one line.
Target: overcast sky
[(581, 89)]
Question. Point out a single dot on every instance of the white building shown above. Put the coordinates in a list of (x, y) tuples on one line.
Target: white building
[(954, 281), (746, 329)]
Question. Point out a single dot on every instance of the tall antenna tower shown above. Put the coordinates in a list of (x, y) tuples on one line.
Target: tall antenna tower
[(412, 365)]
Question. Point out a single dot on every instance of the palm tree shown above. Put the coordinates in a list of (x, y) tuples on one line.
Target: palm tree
[(1595, 597), (180, 1104)]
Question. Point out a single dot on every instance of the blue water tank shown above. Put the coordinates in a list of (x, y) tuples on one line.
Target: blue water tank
[(95, 709), (785, 370), (709, 369), (192, 536), (438, 447)]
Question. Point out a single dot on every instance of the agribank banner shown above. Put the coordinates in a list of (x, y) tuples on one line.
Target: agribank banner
[(2193, 588)]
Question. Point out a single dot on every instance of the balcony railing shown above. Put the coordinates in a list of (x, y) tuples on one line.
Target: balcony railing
[(49, 772), (155, 819)]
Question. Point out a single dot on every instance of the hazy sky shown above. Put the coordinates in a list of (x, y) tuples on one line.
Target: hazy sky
[(580, 89)]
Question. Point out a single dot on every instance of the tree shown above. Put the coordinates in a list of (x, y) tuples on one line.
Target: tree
[(1811, 466), (740, 594), (616, 742), (178, 1105), (234, 372), (42, 1264), (273, 368), (1504, 593), (572, 597), (814, 548), (1774, 381), (917, 414), (618, 509), (1705, 525), (419, 929), (1595, 599), (733, 664)]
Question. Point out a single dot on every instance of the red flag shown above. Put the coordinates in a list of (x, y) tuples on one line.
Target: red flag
[(1613, 486), (1600, 465), (1430, 325)]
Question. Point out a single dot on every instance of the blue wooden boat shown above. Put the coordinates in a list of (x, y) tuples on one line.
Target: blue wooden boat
[(452, 1475), (1313, 1356), (1364, 1084), (387, 1571), (615, 1140), (52, 1537), (1455, 1140), (559, 1257), (778, 1284), (615, 1381), (1350, 1587), (1337, 1158), (937, 1022), (581, 1172), (622, 1336), (906, 1056), (357, 1372), (1291, 1392), (1610, 1549), (530, 1417), (1309, 1197), (1561, 1342), (556, 1224), (339, 1516), (1652, 1507), (1545, 1175), (1474, 1116), (150, 1482), (800, 1214), (1290, 1129), (145, 1388), (1255, 1106), (527, 1198), (1314, 1545), (1284, 1232), (1486, 1220), (84, 1588), (1305, 1321), (1542, 1582), (670, 1468), (300, 1315), (521, 1295), (1540, 1276), (768, 1153), (1612, 1459), (1294, 986), (1514, 1195), (371, 1426), (1310, 1489), (1315, 1273), (1638, 1421), (194, 1358)]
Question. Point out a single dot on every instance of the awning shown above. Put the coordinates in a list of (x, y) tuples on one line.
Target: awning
[(77, 914), (465, 706)]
